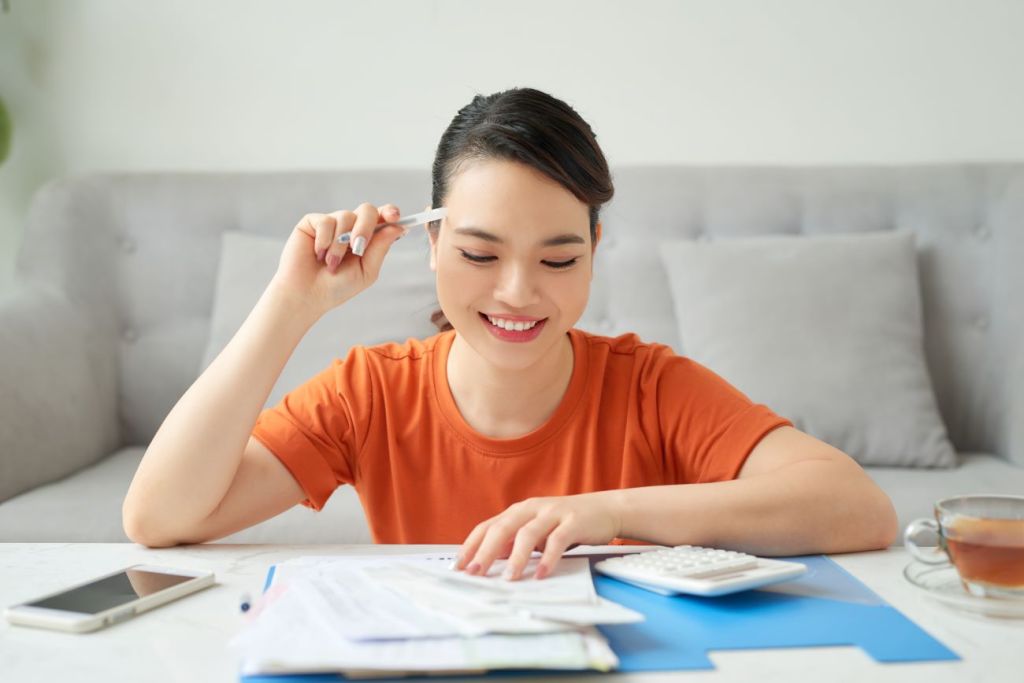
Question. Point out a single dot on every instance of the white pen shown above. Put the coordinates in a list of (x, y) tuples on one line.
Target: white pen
[(407, 222)]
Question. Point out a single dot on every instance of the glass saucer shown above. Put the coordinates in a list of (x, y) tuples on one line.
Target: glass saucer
[(942, 583)]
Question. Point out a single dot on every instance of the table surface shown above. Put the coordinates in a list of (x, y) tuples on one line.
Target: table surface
[(187, 640)]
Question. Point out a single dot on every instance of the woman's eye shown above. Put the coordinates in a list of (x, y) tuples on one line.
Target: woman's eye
[(487, 259), (476, 259), (561, 264)]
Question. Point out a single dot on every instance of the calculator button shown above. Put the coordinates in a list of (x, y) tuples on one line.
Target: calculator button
[(718, 568)]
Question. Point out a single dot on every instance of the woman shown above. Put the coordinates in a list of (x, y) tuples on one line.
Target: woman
[(510, 430)]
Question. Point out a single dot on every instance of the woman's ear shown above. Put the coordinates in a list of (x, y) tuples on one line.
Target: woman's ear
[(433, 243)]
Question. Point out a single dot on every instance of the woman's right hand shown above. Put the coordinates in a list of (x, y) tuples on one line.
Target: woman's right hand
[(316, 269)]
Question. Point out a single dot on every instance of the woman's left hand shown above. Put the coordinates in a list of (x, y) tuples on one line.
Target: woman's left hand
[(548, 524)]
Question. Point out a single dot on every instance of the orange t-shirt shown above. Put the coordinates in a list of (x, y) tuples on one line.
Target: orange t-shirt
[(384, 420)]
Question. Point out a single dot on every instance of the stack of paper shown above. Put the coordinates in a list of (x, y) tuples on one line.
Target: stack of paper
[(380, 615)]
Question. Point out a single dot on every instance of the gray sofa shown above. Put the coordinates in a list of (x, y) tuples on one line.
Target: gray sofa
[(107, 325)]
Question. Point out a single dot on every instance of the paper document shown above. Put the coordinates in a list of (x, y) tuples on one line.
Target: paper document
[(408, 614)]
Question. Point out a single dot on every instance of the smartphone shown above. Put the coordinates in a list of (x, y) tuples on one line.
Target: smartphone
[(109, 599)]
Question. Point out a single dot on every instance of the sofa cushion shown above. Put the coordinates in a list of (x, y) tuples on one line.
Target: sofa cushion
[(395, 307), (86, 508), (826, 330)]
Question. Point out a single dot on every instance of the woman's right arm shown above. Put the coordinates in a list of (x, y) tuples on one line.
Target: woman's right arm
[(203, 476)]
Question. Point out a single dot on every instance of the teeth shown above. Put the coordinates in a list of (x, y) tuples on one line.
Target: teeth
[(512, 326)]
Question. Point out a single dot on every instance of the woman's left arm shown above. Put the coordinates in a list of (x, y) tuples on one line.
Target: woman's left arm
[(794, 495)]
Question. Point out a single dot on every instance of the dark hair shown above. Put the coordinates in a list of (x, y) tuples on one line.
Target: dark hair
[(530, 127)]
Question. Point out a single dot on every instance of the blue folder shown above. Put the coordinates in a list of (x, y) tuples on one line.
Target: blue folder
[(827, 606)]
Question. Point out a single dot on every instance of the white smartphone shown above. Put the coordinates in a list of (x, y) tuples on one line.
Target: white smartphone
[(109, 599)]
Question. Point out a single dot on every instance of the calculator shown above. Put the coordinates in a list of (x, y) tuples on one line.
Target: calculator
[(697, 570)]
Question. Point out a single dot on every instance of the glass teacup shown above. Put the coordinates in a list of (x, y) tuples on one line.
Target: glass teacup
[(983, 537)]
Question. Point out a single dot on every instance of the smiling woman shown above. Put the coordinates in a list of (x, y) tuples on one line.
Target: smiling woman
[(524, 278), (510, 430), (531, 130)]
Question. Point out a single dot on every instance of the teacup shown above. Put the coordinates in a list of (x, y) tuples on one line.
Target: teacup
[(983, 537)]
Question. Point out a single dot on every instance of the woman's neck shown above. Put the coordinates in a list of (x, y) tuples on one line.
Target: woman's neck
[(505, 404)]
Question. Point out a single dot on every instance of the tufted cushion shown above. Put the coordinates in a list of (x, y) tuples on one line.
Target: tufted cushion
[(825, 330)]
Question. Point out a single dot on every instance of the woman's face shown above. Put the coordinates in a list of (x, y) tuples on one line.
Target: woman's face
[(514, 248)]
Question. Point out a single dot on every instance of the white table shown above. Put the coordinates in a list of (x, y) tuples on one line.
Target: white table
[(186, 640)]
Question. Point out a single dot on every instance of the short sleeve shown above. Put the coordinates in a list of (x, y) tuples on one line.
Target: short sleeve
[(707, 426), (311, 430)]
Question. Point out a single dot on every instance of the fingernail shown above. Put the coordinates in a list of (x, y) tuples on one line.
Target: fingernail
[(320, 254), (395, 212), (507, 574), (541, 572), (344, 238), (359, 245), (332, 261), (473, 568)]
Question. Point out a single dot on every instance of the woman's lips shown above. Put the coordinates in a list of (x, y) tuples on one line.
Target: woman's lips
[(513, 335)]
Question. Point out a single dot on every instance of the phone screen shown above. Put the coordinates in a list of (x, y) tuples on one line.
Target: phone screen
[(112, 591)]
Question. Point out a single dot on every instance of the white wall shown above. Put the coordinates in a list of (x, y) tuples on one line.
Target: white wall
[(242, 84)]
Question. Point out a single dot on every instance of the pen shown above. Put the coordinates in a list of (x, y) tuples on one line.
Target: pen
[(407, 222)]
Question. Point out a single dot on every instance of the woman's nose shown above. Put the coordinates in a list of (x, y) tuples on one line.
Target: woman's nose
[(516, 287)]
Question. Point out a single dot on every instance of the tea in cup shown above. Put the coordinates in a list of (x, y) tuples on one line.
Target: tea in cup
[(983, 537)]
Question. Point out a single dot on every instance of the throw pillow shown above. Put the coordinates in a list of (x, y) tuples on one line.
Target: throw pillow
[(825, 330)]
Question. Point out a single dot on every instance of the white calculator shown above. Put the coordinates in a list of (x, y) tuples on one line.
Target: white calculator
[(697, 570)]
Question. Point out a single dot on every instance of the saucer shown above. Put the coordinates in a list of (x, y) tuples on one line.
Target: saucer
[(942, 583)]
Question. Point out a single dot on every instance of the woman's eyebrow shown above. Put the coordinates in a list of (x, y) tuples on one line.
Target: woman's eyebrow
[(567, 238)]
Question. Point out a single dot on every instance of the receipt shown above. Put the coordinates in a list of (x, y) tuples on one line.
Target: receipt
[(408, 614)]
